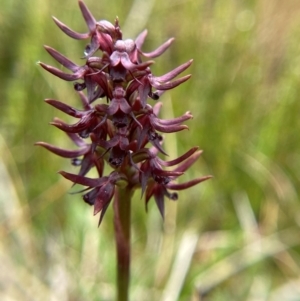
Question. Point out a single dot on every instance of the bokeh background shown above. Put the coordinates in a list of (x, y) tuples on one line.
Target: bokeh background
[(235, 237)]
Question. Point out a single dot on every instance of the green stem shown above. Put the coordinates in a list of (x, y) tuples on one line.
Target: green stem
[(122, 202)]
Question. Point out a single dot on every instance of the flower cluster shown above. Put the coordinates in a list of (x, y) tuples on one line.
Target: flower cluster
[(125, 132)]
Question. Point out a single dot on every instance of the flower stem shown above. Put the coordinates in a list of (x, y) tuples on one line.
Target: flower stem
[(122, 204)]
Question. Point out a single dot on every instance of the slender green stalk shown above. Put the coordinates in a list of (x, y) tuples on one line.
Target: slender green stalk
[(122, 208)]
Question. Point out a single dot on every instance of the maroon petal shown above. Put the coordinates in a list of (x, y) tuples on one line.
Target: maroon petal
[(99, 164), (179, 159), (106, 43), (118, 104), (160, 203), (160, 50), (169, 128), (149, 193), (92, 47), (104, 196), (144, 176), (87, 163), (142, 66), (63, 152), (101, 80), (88, 17), (84, 100), (71, 33), (124, 106), (176, 120), (139, 41), (167, 173), (102, 213), (62, 59), (94, 91), (123, 143), (113, 108), (170, 75), (144, 91), (76, 139), (110, 143), (155, 140), (188, 184), (190, 161), (78, 127), (106, 27), (65, 108), (169, 85), (83, 180), (115, 58), (126, 62), (62, 75), (156, 108)]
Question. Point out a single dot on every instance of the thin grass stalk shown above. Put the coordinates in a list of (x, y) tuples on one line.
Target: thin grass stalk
[(122, 220)]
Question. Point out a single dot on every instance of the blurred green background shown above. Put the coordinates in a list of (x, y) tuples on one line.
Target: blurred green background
[(235, 237)]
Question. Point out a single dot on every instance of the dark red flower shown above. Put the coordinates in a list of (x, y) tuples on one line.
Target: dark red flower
[(100, 190), (160, 189), (116, 125)]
